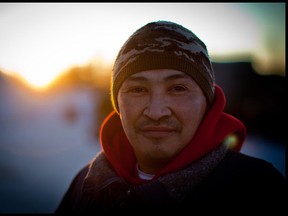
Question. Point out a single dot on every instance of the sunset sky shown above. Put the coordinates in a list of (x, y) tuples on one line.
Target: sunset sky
[(39, 41)]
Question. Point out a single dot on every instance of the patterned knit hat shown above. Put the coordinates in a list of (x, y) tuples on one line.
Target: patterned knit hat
[(163, 45)]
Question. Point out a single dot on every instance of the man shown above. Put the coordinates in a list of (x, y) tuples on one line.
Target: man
[(168, 145)]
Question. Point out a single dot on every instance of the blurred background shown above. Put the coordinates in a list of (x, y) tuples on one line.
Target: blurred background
[(55, 66)]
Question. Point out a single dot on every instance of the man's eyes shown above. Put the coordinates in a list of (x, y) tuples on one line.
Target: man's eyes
[(170, 89), (137, 89), (178, 88)]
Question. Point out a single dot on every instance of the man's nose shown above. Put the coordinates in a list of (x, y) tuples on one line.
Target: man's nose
[(157, 107)]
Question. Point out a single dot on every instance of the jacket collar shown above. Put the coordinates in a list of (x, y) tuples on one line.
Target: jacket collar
[(178, 184)]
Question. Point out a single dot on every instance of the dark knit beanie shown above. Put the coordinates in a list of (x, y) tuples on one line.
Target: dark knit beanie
[(163, 45)]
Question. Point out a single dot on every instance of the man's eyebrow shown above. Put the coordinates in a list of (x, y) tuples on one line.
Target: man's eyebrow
[(168, 78)]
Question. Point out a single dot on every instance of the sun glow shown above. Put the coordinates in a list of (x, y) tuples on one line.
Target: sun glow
[(38, 50)]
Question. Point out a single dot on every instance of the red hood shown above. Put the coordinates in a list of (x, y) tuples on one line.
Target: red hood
[(215, 127)]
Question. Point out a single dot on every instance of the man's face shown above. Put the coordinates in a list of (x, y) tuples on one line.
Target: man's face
[(160, 112)]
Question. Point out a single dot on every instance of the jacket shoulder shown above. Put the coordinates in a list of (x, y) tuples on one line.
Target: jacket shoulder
[(244, 173), (74, 191), (249, 164)]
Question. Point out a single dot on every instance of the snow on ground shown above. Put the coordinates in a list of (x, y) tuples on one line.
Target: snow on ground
[(44, 143)]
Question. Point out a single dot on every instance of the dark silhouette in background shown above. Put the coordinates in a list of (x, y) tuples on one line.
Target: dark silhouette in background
[(257, 100)]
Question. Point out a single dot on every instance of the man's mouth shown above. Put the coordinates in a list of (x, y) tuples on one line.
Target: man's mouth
[(157, 132)]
